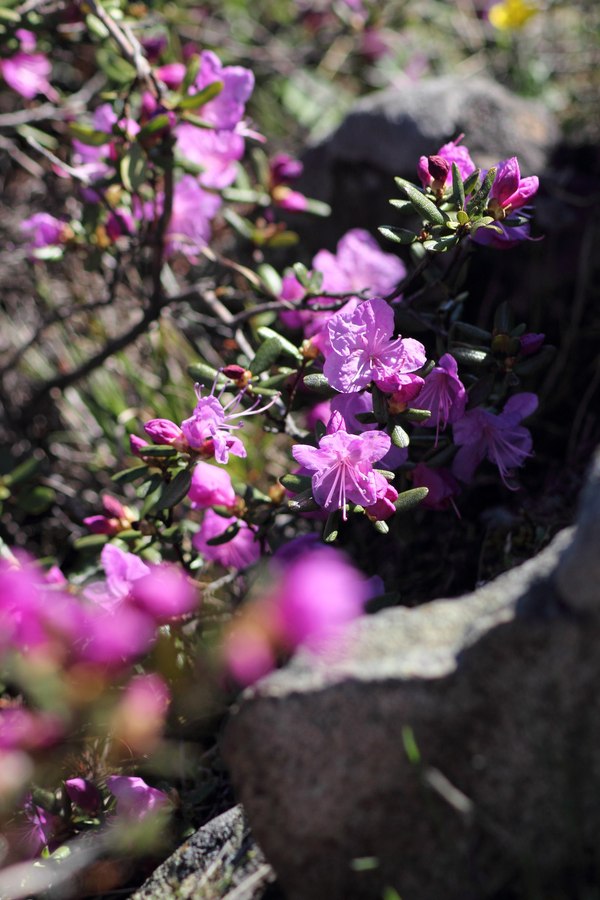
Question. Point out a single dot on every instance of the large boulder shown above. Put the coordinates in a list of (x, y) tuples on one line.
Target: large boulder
[(452, 750)]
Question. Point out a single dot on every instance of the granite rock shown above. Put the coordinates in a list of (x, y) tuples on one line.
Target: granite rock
[(451, 750)]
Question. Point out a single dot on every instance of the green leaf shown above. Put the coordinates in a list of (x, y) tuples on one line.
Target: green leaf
[(191, 119), (399, 437), (381, 526), (174, 492), (398, 235), (127, 475), (286, 346), (90, 541), (225, 536), (266, 355), (380, 407), (421, 204), (478, 201), (441, 244), (296, 483), (467, 356), (162, 451), (411, 748), (416, 415), (203, 373), (132, 168), (195, 101), (270, 277), (317, 382), (9, 15), (36, 500), (301, 273), (332, 527), (458, 189), (154, 125), (470, 183), (23, 471), (407, 500), (88, 135), (303, 502), (402, 205)]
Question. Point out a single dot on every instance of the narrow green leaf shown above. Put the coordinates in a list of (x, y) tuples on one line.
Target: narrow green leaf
[(225, 536), (470, 183), (407, 500), (160, 451), (332, 527), (266, 355), (467, 356), (458, 189), (303, 502), (132, 168), (381, 526), (296, 483), (154, 125), (402, 205), (87, 135), (23, 471), (127, 475), (416, 415), (421, 204), (398, 235), (174, 492), (301, 273), (195, 101), (380, 407), (202, 373), (90, 541), (286, 346), (478, 201)]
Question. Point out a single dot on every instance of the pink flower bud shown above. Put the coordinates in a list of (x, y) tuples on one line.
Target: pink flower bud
[(163, 431)]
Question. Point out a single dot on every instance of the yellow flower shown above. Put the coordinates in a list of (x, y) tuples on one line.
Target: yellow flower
[(511, 14)]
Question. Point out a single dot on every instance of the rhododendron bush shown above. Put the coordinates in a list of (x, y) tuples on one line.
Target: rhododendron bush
[(330, 396)]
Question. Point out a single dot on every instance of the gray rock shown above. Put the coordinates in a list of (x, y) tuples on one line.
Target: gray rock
[(578, 576), (219, 860), (451, 751)]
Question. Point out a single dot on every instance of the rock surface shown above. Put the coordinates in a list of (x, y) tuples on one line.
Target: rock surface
[(220, 859), (386, 132), (451, 751)]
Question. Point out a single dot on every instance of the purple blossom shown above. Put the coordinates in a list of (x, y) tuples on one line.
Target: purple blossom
[(531, 343), (443, 393), (163, 431), (361, 349), (165, 593), (241, 551), (41, 829), (509, 192), (217, 152), (43, 230), (26, 72), (211, 486), (452, 153), (349, 406), (135, 798), (84, 794), (227, 108), (441, 484), (318, 595), (500, 438), (343, 468), (171, 74), (189, 229), (358, 265)]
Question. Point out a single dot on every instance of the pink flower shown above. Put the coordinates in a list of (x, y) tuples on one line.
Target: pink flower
[(140, 716), (361, 349), (443, 393), (500, 438), (358, 265), (227, 108), (44, 230), (241, 551), (165, 593), (351, 405), (441, 484), (319, 593), (217, 152), (343, 467), (509, 192), (163, 431), (171, 74), (451, 153), (84, 794), (189, 229), (210, 486), (42, 827), (27, 73), (135, 798), (117, 518)]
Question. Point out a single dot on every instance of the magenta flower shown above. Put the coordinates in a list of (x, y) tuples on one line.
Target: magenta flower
[(171, 74), (26, 72), (443, 393), (241, 551), (135, 798), (227, 108), (509, 192), (163, 431), (440, 483), (500, 438), (531, 343), (84, 794), (189, 229), (362, 350), (351, 405), (358, 265), (116, 519), (114, 637), (451, 153), (210, 486), (165, 593), (43, 230), (41, 829), (343, 468), (217, 152)]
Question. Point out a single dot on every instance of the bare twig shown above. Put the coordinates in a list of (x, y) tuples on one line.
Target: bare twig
[(50, 111), (128, 44)]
